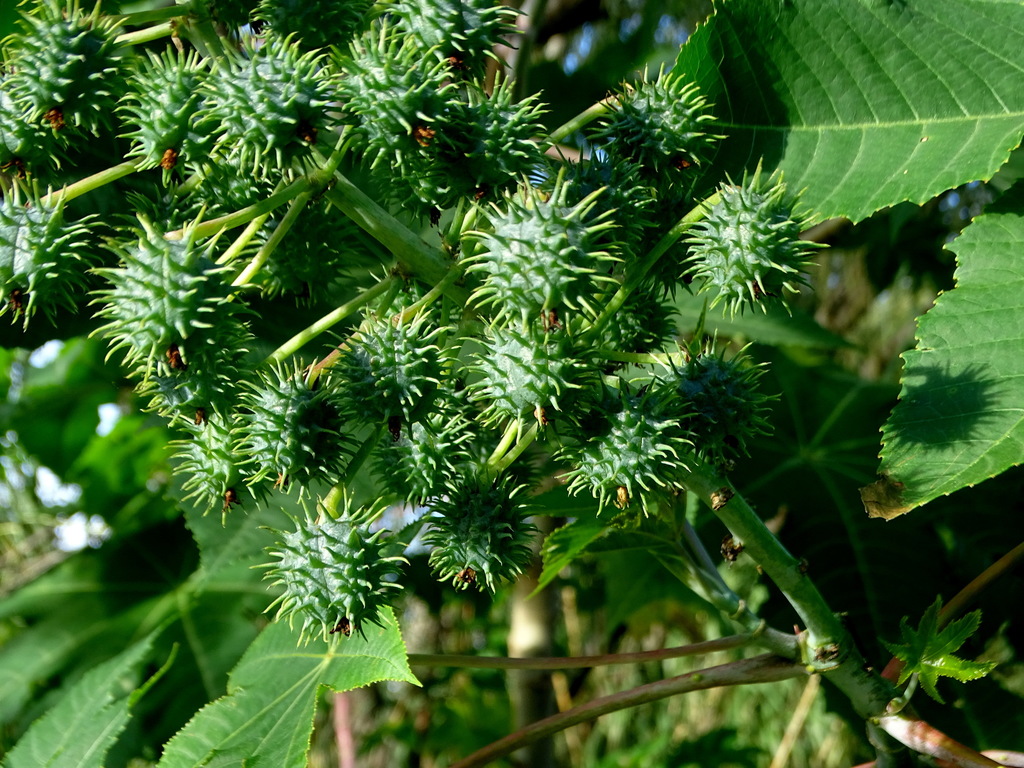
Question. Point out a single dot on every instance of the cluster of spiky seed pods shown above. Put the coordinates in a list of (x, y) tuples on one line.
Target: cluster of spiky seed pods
[(439, 387)]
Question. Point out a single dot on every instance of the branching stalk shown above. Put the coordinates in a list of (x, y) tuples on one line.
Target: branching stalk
[(147, 35), (250, 212), (581, 662), (303, 337), (829, 647), (295, 210), (581, 120), (639, 272), (89, 183), (927, 740), (760, 669), (413, 254)]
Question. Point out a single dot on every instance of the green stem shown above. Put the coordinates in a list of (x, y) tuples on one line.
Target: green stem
[(511, 432), (250, 212), (89, 183), (148, 17), (243, 240), (524, 442), (580, 662), (583, 119), (639, 272), (641, 358), (202, 34), (830, 649), (303, 337), (699, 572), (295, 210), (336, 495), (147, 35), (453, 276), (760, 669), (413, 254)]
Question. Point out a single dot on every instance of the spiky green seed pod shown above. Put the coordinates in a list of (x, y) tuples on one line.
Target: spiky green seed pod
[(480, 536), (748, 247), (66, 66), (625, 199), (169, 307), (420, 460), (461, 32), (43, 258), (391, 370), (271, 106), (391, 97), (25, 145), (722, 404), (525, 373), (633, 447), (662, 125), (541, 255), (334, 574), (225, 188), (292, 434), (214, 473), (485, 144), (315, 23), (161, 107), (645, 323)]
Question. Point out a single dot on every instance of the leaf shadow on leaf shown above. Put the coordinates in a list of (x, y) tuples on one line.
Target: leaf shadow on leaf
[(941, 407)]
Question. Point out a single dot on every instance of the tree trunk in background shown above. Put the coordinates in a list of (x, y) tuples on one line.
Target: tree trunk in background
[(530, 634)]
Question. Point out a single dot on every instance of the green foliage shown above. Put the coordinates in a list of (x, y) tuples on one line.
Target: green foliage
[(83, 727), (254, 721), (345, 261), (929, 652), (954, 425)]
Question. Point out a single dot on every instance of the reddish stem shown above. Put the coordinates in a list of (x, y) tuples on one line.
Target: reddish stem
[(927, 740)]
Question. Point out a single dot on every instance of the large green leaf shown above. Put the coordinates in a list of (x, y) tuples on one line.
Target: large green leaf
[(79, 731), (267, 717), (864, 103), (959, 420)]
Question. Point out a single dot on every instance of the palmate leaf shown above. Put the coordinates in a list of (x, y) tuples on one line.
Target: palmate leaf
[(863, 103), (960, 418), (79, 731), (930, 653), (267, 716)]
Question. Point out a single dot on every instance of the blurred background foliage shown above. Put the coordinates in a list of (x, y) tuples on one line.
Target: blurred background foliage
[(94, 549)]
